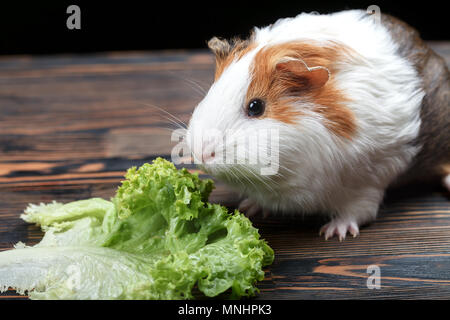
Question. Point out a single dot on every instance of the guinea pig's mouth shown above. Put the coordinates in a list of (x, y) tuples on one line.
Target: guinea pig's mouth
[(208, 157), (234, 157), (203, 154), (240, 174)]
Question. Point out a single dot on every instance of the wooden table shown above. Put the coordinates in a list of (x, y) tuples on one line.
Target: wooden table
[(71, 125)]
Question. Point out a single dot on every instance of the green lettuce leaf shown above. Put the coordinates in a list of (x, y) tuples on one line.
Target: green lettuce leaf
[(158, 238)]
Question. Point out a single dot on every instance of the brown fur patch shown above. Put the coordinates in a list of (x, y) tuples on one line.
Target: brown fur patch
[(280, 89)]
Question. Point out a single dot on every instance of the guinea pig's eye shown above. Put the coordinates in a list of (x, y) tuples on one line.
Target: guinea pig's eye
[(255, 108)]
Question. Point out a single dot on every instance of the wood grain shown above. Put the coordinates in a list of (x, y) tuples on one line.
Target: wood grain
[(71, 125)]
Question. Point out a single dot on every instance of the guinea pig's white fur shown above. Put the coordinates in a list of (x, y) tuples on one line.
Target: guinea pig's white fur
[(320, 171)]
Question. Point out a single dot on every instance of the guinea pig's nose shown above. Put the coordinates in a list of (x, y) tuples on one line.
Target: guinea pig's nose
[(208, 153), (203, 149)]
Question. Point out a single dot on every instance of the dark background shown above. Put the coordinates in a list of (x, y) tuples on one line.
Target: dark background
[(39, 27)]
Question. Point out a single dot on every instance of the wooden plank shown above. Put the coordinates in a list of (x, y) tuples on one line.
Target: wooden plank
[(71, 125)]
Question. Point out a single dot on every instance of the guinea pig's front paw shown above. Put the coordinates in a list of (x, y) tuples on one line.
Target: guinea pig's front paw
[(250, 208), (339, 227)]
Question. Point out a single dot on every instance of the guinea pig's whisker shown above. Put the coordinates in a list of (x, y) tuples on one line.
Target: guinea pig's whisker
[(235, 176), (174, 119), (194, 84), (169, 129), (175, 123), (246, 178), (257, 178), (260, 179)]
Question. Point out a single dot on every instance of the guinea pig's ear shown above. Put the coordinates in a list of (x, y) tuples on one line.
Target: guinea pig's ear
[(220, 47), (298, 74)]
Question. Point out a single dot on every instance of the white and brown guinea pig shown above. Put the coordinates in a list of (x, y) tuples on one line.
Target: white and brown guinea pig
[(359, 105)]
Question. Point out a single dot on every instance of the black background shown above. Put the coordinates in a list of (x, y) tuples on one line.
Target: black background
[(39, 27)]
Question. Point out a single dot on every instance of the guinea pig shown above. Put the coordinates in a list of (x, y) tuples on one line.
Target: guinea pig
[(357, 105)]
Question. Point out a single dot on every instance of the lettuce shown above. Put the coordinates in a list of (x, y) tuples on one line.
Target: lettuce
[(158, 238)]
